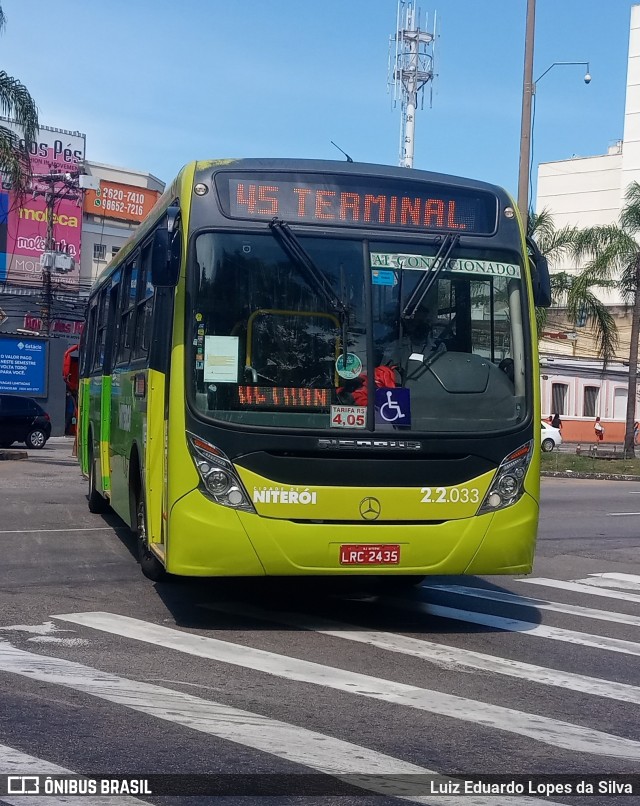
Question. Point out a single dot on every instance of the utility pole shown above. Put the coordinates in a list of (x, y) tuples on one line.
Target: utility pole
[(50, 246), (525, 128), (51, 257)]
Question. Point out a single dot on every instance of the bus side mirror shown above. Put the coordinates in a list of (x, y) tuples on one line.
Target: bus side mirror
[(166, 249), (539, 275)]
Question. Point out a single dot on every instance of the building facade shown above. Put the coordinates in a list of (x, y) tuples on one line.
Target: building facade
[(585, 192), (41, 310)]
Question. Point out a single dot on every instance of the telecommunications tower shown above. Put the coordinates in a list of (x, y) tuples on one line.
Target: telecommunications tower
[(413, 53)]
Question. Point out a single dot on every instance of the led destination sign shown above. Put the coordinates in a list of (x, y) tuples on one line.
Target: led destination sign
[(357, 201), (284, 397)]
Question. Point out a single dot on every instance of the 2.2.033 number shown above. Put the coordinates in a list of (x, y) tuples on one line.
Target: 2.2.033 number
[(449, 495)]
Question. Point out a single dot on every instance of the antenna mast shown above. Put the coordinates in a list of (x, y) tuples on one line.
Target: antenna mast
[(413, 69)]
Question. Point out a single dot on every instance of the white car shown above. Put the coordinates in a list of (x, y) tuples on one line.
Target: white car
[(551, 437)]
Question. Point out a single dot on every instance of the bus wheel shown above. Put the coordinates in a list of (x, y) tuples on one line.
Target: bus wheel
[(97, 502), (150, 565)]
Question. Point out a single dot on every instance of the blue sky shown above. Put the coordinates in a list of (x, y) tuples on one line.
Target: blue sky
[(155, 84)]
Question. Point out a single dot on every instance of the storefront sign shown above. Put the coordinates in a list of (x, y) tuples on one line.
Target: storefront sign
[(23, 222), (117, 200), (23, 365)]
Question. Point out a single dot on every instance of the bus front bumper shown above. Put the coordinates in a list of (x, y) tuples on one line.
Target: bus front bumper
[(206, 539)]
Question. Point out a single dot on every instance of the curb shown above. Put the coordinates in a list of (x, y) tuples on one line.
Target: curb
[(8, 455), (569, 474)]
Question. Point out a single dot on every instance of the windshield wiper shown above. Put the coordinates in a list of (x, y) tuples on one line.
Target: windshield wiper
[(313, 274), (428, 278)]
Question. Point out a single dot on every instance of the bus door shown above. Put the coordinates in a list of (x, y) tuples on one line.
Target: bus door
[(121, 377), (105, 346)]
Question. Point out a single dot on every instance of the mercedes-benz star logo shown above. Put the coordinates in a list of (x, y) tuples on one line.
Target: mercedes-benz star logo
[(370, 509)]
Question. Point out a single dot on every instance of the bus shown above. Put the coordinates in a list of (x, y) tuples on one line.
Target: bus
[(318, 368)]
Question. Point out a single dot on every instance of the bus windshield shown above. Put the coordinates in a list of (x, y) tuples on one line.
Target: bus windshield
[(266, 344)]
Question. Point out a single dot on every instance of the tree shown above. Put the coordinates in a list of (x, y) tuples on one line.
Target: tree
[(17, 104), (613, 255), (575, 293)]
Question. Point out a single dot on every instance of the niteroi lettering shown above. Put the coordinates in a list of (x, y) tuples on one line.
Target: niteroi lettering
[(278, 495)]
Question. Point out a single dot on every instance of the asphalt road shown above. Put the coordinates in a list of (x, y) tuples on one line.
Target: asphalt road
[(102, 671)]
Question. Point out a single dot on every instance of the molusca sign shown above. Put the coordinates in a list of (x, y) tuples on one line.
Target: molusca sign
[(23, 221)]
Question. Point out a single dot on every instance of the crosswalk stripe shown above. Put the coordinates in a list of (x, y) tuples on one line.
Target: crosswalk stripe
[(528, 628), (539, 604), (543, 729), (598, 582), (617, 575), (444, 655), (15, 762), (317, 751), (633, 579), (577, 587)]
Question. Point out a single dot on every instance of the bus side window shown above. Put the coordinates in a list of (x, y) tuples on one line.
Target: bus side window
[(89, 333), (102, 311), (144, 307), (127, 307)]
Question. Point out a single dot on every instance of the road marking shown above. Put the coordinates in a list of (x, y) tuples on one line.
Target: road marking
[(614, 514), (539, 604), (44, 531), (316, 751), (543, 729), (578, 587), (36, 629), (447, 657), (632, 578), (598, 582), (15, 762), (42, 634), (528, 628)]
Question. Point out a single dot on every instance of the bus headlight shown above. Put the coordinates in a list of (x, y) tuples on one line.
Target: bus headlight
[(508, 484), (217, 481), (219, 478)]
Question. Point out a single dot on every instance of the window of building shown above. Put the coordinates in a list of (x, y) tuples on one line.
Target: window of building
[(559, 398), (620, 403), (590, 401), (99, 251), (114, 250)]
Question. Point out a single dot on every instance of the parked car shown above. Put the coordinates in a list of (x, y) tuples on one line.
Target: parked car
[(23, 420), (551, 437)]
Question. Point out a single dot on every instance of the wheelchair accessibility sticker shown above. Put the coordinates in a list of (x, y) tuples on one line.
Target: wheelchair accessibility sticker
[(393, 406)]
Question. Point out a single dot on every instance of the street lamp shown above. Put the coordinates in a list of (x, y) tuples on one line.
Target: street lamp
[(528, 93)]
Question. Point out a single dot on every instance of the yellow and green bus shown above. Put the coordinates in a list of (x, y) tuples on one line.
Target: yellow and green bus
[(301, 367)]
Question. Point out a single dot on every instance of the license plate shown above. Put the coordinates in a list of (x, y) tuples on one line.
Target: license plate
[(371, 554)]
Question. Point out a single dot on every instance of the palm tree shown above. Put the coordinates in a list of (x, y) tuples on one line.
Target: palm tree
[(19, 106), (572, 292), (613, 254)]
